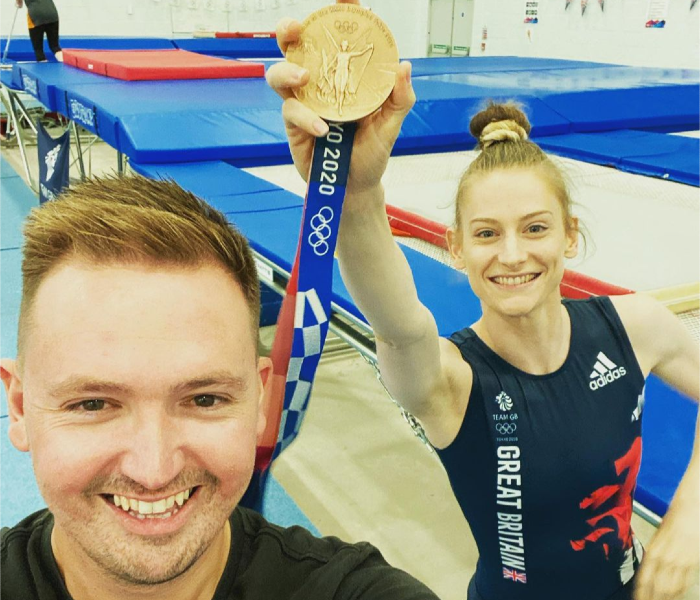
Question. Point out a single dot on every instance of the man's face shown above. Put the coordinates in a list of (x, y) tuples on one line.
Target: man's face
[(141, 386)]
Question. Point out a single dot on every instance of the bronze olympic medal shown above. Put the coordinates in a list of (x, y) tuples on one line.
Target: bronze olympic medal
[(352, 58)]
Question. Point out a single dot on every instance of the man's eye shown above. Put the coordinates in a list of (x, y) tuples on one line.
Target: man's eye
[(206, 401), (90, 405)]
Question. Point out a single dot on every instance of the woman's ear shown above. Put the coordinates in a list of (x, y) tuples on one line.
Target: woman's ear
[(572, 232), (454, 245)]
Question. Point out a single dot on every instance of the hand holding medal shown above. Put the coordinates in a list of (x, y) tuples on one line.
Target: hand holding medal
[(320, 79), (342, 65)]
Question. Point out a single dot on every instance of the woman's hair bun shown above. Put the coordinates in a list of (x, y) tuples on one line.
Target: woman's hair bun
[(499, 123)]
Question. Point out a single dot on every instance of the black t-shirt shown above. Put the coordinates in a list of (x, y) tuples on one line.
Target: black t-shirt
[(544, 466), (266, 562)]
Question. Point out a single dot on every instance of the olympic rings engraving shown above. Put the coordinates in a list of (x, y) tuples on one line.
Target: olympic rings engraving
[(346, 26), (321, 231), (506, 428)]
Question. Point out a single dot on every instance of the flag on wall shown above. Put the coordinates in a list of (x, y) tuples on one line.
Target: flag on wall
[(584, 5), (693, 3), (602, 5), (568, 2), (54, 161)]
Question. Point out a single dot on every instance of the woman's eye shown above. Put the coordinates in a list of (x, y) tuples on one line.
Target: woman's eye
[(206, 401), (536, 228), (487, 233)]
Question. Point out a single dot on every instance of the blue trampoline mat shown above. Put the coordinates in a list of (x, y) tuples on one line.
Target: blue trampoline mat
[(490, 64), (231, 47), (240, 120), (653, 154), (21, 47)]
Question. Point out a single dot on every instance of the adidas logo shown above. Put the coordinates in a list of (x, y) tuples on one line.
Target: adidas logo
[(604, 372)]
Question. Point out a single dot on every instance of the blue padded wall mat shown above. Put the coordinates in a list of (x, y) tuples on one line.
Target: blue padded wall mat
[(673, 106), (668, 430), (8, 80), (653, 154), (21, 47), (48, 82), (240, 121), (206, 178), (231, 47), (491, 64)]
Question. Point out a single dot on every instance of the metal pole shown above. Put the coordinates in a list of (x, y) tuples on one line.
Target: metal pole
[(9, 37), (81, 164)]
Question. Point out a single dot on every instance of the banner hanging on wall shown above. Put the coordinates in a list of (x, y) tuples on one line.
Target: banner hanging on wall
[(568, 2), (693, 3), (531, 12), (656, 15), (584, 5), (602, 5)]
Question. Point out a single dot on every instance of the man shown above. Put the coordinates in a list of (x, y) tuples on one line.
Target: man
[(137, 389), (42, 18)]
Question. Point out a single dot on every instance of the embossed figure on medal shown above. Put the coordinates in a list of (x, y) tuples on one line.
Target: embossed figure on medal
[(341, 76)]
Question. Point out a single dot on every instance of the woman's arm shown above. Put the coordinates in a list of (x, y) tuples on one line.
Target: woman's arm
[(664, 347), (427, 376)]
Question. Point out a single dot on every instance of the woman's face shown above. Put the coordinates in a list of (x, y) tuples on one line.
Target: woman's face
[(513, 241)]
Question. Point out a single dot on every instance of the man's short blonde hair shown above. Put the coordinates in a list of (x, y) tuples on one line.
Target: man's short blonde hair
[(131, 220)]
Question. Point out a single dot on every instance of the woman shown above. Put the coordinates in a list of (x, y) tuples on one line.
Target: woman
[(42, 18), (535, 409)]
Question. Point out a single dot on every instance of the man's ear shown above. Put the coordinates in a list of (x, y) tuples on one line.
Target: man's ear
[(17, 429), (572, 238), (265, 374), (454, 245)]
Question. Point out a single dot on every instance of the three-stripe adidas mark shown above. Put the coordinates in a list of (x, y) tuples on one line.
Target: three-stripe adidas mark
[(604, 372)]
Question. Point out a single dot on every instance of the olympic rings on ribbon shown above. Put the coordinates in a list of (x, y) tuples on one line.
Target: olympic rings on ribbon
[(321, 231)]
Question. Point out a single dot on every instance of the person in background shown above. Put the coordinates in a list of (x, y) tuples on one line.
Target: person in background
[(42, 18)]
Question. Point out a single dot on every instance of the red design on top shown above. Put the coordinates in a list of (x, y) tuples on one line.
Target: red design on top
[(618, 499)]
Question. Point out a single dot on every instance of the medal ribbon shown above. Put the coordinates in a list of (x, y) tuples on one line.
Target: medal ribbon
[(303, 321)]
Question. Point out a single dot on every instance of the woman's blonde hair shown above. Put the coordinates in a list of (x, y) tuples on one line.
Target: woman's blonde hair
[(503, 133)]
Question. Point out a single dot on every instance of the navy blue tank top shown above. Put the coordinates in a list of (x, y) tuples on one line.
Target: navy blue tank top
[(544, 466)]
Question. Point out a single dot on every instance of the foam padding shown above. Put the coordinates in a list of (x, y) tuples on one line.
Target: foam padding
[(210, 179), (245, 34), (423, 67), (157, 65), (231, 47), (7, 79), (668, 430), (648, 153), (21, 47)]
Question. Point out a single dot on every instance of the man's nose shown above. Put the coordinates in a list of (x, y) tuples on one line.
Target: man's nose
[(154, 456)]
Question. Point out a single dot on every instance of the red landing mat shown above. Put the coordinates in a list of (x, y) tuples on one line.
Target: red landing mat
[(146, 65), (245, 34)]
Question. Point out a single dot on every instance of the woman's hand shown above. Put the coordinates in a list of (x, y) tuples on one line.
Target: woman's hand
[(376, 134), (670, 563)]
